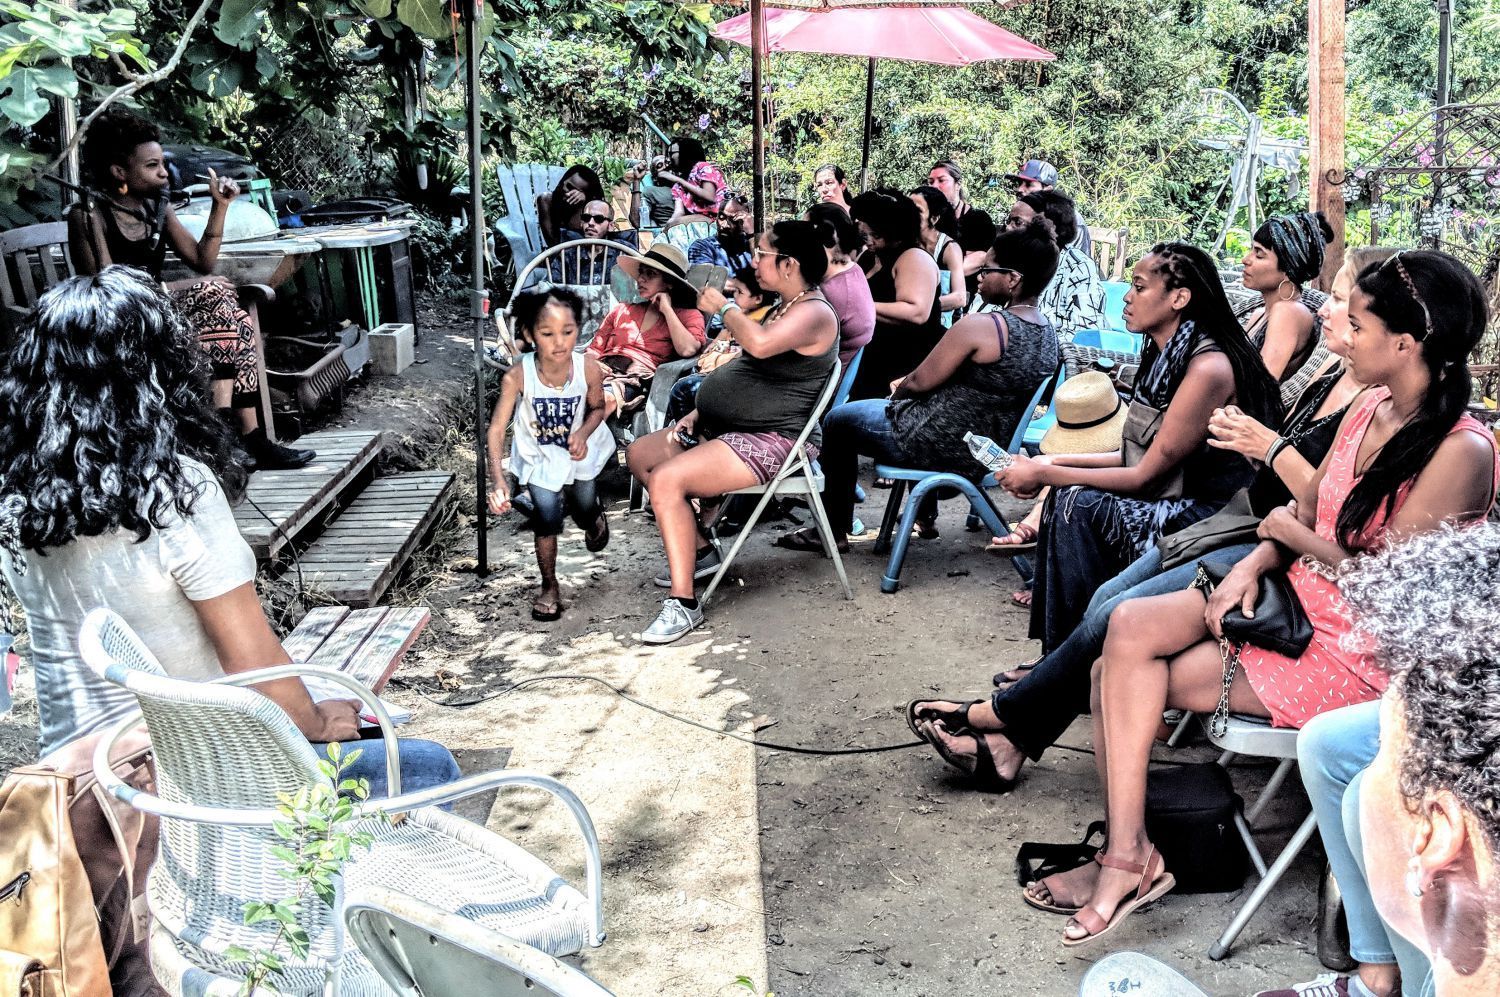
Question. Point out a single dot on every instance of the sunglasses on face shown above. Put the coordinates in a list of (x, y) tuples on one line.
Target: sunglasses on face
[(756, 253), (597, 219)]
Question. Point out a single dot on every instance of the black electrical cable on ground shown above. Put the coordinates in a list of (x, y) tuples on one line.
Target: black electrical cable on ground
[(769, 745)]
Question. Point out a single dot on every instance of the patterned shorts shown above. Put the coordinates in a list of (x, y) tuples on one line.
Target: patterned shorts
[(764, 453)]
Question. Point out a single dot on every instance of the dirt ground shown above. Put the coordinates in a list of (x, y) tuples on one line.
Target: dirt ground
[(816, 876)]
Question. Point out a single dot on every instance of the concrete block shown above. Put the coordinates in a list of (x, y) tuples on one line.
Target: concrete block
[(392, 347)]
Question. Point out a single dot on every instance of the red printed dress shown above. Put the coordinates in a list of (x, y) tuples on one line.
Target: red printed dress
[(1329, 676)]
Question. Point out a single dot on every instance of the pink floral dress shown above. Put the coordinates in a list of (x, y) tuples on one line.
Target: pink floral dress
[(1328, 675), (700, 174)]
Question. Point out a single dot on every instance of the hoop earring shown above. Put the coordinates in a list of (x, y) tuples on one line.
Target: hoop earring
[(1285, 281)]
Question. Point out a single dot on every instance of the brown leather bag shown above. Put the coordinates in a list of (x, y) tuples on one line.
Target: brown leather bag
[(75, 861)]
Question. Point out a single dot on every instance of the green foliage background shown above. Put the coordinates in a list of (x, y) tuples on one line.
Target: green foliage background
[(570, 80)]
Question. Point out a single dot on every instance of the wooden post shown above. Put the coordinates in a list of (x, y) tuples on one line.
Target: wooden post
[(1325, 125), (864, 155), (758, 127)]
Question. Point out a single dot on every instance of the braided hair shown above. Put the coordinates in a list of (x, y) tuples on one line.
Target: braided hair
[(1182, 265), (1439, 302)]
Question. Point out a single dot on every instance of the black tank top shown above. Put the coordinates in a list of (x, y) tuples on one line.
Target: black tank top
[(139, 253)]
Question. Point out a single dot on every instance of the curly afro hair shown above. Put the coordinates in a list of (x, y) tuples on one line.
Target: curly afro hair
[(111, 141), (1429, 609)]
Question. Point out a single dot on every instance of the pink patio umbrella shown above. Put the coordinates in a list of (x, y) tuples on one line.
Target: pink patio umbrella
[(949, 36)]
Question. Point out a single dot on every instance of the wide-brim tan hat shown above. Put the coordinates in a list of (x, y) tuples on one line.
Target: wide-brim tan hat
[(662, 257), (1090, 416)]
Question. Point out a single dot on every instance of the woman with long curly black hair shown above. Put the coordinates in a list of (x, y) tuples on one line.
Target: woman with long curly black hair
[(135, 226), (115, 482)]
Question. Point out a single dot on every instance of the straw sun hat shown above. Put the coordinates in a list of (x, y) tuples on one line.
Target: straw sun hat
[(668, 259), (1090, 416)]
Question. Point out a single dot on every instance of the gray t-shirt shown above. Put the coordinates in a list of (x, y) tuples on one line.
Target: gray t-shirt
[(152, 584)]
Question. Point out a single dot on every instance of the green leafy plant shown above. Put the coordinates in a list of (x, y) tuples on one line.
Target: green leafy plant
[(745, 983), (316, 827)]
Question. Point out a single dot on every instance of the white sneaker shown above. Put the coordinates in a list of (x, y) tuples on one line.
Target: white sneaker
[(708, 562), (675, 620)]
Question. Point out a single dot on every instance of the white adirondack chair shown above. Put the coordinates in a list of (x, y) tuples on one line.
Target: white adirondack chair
[(520, 183)]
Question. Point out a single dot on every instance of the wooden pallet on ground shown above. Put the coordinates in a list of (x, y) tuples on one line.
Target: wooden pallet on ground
[(366, 644), (279, 504), (360, 553)]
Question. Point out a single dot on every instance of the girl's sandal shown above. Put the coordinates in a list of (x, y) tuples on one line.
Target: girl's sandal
[(1021, 598), (1151, 888), (1024, 543), (1039, 864), (546, 610), (597, 538), (954, 721), (807, 541), (925, 529)]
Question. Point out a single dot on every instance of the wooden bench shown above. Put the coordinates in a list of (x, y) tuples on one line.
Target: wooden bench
[(36, 257), (365, 644)]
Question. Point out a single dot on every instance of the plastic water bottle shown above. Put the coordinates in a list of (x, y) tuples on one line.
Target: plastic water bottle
[(989, 453)]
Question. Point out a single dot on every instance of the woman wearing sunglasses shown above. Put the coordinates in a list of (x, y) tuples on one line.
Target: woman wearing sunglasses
[(979, 378)]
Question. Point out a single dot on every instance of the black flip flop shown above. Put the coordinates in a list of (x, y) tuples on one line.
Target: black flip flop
[(547, 616), (1003, 680), (986, 778), (804, 540), (954, 721)]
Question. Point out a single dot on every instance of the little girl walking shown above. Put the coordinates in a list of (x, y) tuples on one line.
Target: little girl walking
[(553, 403)]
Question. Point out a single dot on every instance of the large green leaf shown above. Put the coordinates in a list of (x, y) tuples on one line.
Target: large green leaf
[(425, 17), (239, 22), (23, 104), (60, 80), (374, 8)]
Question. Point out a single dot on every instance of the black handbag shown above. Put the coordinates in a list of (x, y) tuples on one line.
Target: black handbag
[(1190, 818), (1231, 525), (1279, 625)]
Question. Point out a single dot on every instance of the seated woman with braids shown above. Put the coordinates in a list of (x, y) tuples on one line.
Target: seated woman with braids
[(1104, 511), (134, 226), (139, 519), (1407, 459), (1285, 253)]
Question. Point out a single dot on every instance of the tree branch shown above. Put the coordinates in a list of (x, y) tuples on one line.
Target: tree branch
[(136, 84)]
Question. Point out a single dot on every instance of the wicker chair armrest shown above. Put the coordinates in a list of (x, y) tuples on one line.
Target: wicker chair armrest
[(359, 691), (501, 779)]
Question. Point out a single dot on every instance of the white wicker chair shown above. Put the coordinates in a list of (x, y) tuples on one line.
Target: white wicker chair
[(420, 949), (222, 756)]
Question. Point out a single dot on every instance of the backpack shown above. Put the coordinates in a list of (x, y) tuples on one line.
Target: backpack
[(72, 875)]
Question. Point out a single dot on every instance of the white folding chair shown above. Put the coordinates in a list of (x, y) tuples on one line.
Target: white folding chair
[(1256, 737), (423, 951), (520, 183), (223, 757), (798, 476)]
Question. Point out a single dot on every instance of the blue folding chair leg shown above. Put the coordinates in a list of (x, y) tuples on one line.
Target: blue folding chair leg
[(892, 514), (978, 501)]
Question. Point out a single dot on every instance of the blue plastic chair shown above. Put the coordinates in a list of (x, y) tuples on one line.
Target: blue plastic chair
[(847, 384), (897, 538), (1114, 303), (1109, 339)]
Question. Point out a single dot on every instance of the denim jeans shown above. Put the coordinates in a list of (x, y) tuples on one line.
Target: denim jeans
[(1333, 751), (684, 397), (852, 429), (581, 500), (1038, 709), (424, 764)]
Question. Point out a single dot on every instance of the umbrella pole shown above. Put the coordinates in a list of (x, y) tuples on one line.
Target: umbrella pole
[(864, 156), (758, 128), (479, 298)]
